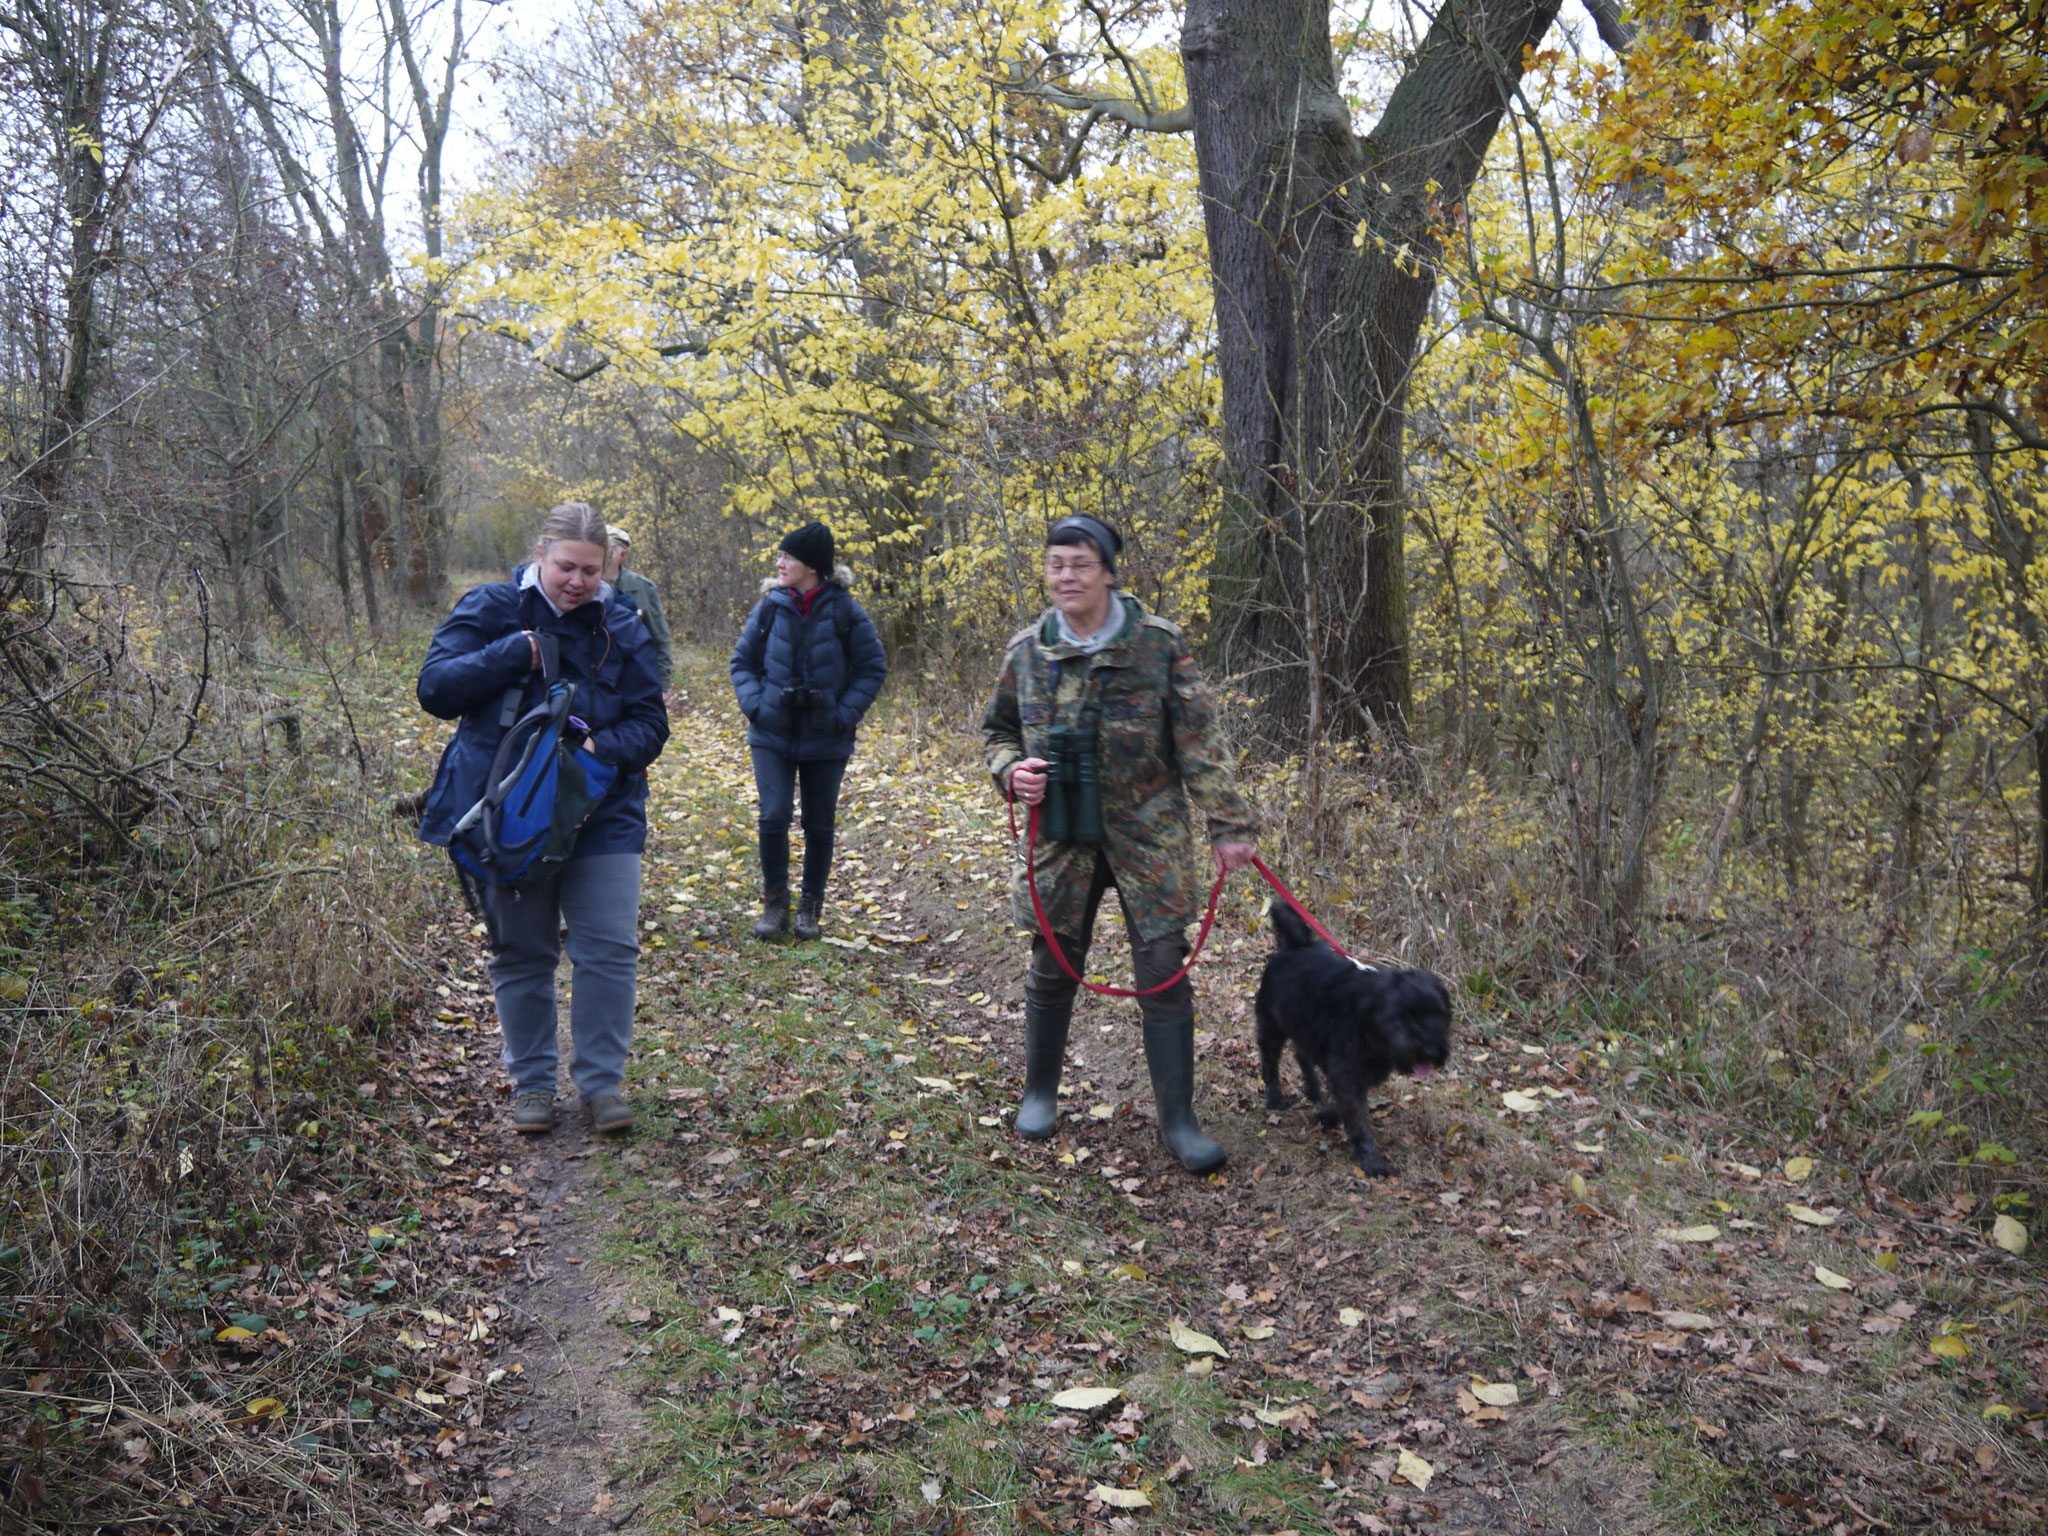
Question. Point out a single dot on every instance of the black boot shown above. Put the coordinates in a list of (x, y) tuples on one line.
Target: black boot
[(1170, 1053), (810, 917), (1045, 1056), (773, 922)]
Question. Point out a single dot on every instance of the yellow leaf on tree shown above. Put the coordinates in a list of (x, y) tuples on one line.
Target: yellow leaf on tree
[(1189, 1342)]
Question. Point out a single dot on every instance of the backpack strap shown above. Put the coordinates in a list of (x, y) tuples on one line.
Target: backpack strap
[(510, 706)]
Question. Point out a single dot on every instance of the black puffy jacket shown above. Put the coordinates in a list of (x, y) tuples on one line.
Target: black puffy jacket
[(780, 648)]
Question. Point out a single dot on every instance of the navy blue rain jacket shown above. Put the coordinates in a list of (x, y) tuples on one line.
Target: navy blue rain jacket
[(479, 651), (779, 648)]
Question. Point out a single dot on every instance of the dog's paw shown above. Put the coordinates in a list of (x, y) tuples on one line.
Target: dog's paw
[(1376, 1167), (1328, 1114), (1275, 1099)]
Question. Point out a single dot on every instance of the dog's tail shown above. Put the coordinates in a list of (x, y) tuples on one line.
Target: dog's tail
[(1293, 932)]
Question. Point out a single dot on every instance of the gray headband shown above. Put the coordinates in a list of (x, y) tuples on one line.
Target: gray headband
[(1096, 531)]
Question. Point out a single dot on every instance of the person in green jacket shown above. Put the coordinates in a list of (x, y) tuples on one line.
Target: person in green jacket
[(1099, 664), (640, 595)]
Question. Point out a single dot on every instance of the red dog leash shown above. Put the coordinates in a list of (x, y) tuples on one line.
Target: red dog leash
[(1208, 916)]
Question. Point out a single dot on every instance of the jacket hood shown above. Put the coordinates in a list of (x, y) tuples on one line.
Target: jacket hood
[(842, 576)]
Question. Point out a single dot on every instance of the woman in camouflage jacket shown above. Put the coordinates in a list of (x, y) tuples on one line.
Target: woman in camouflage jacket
[(1097, 657)]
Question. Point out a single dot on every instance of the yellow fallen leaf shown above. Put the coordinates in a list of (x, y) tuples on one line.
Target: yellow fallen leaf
[(1705, 1232), (936, 1084), (231, 1335), (1833, 1281), (1948, 1346), (431, 1399), (1690, 1322), (991, 1121), (1579, 1185), (1101, 1111), (1809, 1215), (265, 1407), (1590, 1148), (1351, 1317), (1200, 1367), (2009, 1233), (1129, 1272), (1123, 1498), (1798, 1169), (1255, 1333), (1496, 1394), (1189, 1342), (1414, 1470), (1294, 1413), (1521, 1103), (1086, 1399), (1998, 1411)]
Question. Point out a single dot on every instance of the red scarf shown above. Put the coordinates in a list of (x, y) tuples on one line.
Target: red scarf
[(805, 599)]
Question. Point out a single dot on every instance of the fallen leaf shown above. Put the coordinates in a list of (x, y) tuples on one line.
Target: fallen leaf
[(234, 1335), (1123, 1498), (431, 1399), (1706, 1232), (936, 1084), (2010, 1234), (265, 1407), (1798, 1169), (1711, 1431), (1521, 1103), (1200, 1368), (1809, 1215), (1086, 1399), (1101, 1111), (1882, 1325), (1832, 1280), (721, 1157), (931, 1488), (1579, 1185), (1496, 1394), (991, 1121), (1293, 1413), (1350, 1317), (1261, 1331), (1189, 1342), (1948, 1346), (1414, 1470), (1129, 1272), (1691, 1322), (1590, 1148)]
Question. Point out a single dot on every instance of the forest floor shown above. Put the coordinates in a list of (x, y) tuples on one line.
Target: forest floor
[(823, 1287)]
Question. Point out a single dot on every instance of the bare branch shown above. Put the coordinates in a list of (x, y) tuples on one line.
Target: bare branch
[(1131, 114)]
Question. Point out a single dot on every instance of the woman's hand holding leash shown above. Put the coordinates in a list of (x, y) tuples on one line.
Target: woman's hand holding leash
[(1234, 856), (1027, 780)]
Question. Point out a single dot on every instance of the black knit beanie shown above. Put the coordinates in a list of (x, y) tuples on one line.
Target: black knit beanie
[(811, 544)]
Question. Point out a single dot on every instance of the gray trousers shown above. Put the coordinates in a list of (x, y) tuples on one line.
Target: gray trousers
[(1050, 987), (598, 900)]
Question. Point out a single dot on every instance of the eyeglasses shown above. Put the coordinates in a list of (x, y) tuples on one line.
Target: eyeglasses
[(1055, 568)]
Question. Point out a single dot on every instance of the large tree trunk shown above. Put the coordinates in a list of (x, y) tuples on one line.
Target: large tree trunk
[(1323, 262)]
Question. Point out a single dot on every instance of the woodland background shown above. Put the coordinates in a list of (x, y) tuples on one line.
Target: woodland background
[(1599, 455)]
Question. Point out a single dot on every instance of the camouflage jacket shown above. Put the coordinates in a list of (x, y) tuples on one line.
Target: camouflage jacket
[(1158, 749)]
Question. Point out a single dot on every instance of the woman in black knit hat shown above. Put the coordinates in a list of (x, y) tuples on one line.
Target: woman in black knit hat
[(807, 666)]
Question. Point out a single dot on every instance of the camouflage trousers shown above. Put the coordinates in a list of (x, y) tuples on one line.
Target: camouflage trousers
[(1050, 987)]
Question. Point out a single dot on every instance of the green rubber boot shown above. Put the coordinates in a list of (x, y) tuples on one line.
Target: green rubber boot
[(1170, 1054), (1045, 1057)]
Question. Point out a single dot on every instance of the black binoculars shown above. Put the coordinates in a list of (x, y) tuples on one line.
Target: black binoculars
[(797, 700), (1073, 790)]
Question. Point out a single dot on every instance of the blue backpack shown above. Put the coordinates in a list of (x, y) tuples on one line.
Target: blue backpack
[(539, 792)]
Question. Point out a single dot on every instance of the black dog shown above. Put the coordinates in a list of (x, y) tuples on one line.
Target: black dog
[(1354, 1024)]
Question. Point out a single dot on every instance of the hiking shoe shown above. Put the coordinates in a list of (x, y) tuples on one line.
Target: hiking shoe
[(773, 922), (533, 1114), (607, 1113), (810, 918)]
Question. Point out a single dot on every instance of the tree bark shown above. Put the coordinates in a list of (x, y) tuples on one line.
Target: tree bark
[(1323, 258)]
